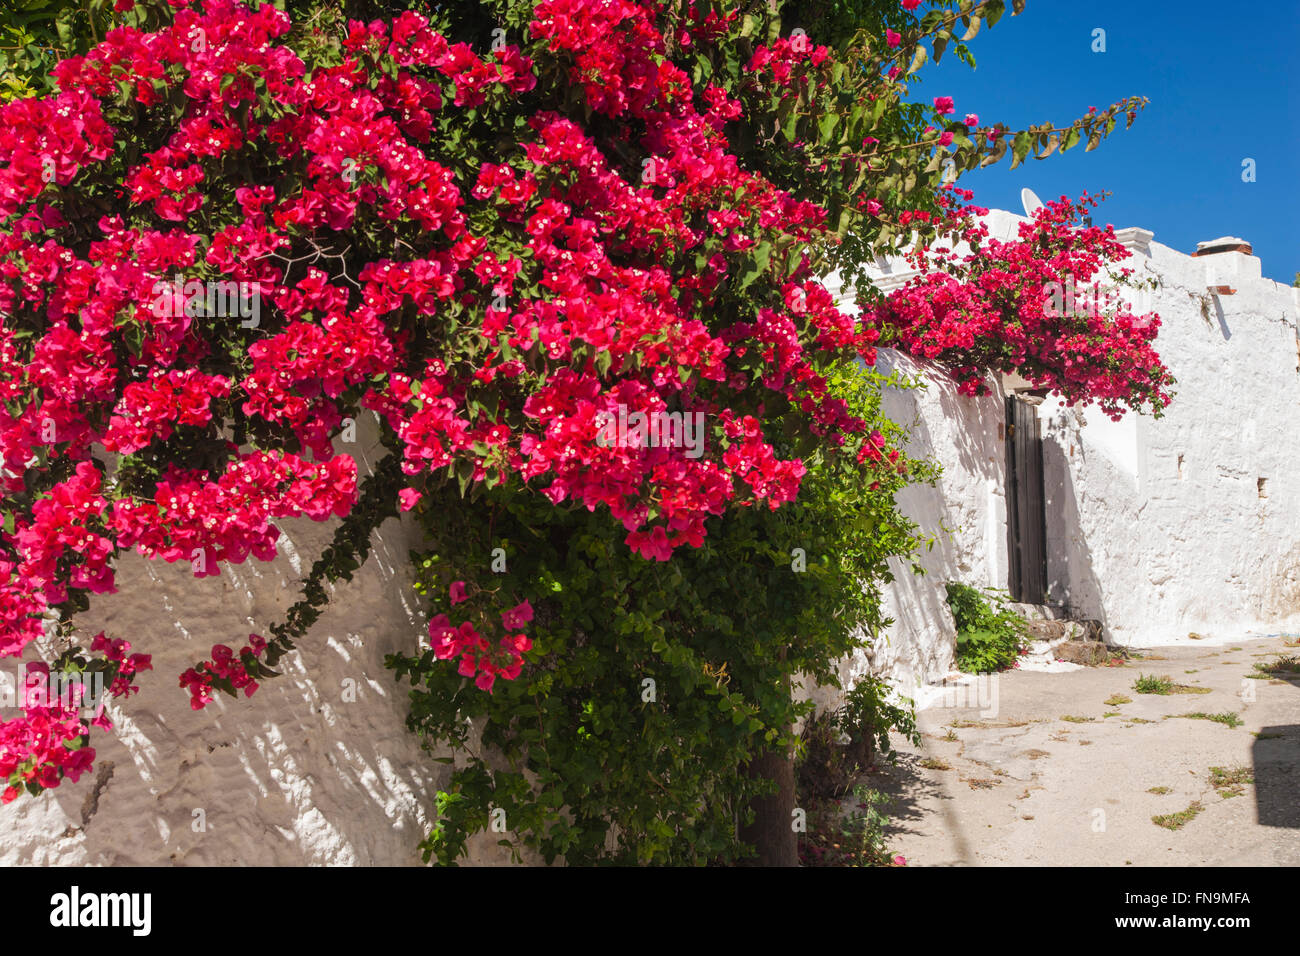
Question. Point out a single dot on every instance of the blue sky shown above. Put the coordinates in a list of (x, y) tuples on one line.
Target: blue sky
[(1223, 84)]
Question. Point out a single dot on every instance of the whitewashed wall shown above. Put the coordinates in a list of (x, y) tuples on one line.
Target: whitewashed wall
[(1158, 527), (963, 515), (295, 774), (1154, 527)]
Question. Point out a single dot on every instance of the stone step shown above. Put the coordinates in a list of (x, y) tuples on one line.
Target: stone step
[(1046, 622), (1082, 652), (1064, 630), (1043, 653)]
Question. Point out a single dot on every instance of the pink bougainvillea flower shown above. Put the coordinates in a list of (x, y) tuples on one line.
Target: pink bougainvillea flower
[(458, 592), (651, 544), (517, 616), (944, 105), (518, 643)]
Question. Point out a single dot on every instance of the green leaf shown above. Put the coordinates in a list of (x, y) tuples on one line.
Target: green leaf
[(464, 474), (827, 125), (791, 125), (855, 118), (762, 255), (1020, 147)]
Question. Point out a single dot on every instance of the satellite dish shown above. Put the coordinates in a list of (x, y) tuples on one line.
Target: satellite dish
[(1030, 201)]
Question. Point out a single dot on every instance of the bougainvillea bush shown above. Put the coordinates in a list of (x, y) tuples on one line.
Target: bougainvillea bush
[(1007, 307), (228, 234), (650, 686)]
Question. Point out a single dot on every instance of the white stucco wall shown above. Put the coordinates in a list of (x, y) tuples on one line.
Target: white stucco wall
[(1154, 527), (1157, 527), (963, 515), (292, 775), (295, 774)]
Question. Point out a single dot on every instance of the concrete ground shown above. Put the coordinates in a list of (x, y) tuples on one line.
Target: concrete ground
[(1017, 782)]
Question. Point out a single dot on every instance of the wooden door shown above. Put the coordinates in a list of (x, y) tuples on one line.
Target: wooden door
[(1026, 515)]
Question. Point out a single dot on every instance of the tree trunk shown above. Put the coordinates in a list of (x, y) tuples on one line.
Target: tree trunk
[(772, 831)]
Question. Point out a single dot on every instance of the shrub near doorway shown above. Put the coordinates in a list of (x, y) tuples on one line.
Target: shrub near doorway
[(990, 637)]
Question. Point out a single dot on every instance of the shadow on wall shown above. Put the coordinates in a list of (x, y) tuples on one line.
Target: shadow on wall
[(1072, 582), (1276, 755), (919, 646), (1223, 319), (316, 767), (973, 445)]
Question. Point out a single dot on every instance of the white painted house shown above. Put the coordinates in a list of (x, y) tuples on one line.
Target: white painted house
[(1155, 528)]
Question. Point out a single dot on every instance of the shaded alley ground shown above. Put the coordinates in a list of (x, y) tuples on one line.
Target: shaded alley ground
[(1063, 772)]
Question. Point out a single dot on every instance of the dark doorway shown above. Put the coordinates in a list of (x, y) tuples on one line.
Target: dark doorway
[(1026, 517)]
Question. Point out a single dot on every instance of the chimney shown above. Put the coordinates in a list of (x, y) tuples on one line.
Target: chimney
[(1222, 266), (1224, 244)]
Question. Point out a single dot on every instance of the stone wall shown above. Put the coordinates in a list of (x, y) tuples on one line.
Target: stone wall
[(1189, 523)]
